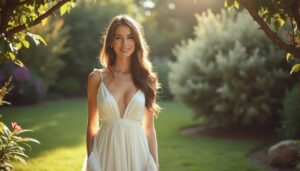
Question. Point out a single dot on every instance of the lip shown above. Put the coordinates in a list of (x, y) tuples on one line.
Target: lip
[(125, 50)]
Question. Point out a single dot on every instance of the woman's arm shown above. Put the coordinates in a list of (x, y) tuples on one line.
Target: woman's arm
[(149, 128), (92, 122), (148, 125)]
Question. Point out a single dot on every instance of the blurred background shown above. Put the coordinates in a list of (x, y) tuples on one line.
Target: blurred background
[(226, 91)]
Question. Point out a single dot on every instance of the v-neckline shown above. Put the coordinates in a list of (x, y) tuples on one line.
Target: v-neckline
[(115, 101)]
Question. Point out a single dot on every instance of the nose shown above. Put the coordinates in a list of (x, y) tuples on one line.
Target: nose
[(124, 41)]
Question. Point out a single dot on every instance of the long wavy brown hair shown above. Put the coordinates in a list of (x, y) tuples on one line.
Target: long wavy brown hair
[(140, 65)]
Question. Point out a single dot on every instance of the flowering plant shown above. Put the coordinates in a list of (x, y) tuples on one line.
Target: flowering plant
[(28, 88), (11, 144)]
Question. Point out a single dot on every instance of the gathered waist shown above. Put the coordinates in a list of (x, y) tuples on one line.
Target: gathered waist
[(120, 121)]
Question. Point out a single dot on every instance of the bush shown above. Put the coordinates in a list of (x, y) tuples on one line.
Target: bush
[(13, 145), (67, 86), (28, 88), (230, 73), (290, 127), (45, 60)]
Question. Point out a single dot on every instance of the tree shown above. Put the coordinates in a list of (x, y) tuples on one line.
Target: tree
[(174, 19), (275, 13), (45, 61), (16, 16)]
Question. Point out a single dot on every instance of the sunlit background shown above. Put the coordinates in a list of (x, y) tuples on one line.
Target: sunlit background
[(224, 86)]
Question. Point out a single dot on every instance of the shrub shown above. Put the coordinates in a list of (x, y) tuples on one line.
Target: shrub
[(45, 60), (67, 86), (5, 89), (230, 72), (11, 144), (28, 87), (290, 127)]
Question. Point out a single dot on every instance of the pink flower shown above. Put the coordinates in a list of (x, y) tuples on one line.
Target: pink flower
[(15, 126)]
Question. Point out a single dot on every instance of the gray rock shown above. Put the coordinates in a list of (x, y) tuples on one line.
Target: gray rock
[(284, 153)]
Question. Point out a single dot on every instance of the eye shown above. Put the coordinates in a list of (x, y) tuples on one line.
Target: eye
[(117, 37)]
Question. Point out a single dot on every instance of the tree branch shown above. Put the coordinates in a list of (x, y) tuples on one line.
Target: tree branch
[(38, 20), (6, 12), (272, 35)]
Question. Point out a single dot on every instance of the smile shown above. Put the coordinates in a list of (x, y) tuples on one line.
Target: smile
[(124, 50)]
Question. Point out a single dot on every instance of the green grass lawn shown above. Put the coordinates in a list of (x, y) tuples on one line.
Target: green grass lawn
[(60, 127)]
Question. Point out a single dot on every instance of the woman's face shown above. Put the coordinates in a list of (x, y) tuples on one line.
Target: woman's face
[(123, 42)]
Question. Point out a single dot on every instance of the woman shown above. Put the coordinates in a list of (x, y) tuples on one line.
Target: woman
[(121, 96)]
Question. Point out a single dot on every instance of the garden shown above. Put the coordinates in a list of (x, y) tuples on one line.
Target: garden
[(228, 70)]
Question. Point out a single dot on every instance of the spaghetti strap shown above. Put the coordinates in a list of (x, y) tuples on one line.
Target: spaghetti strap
[(100, 70), (120, 144)]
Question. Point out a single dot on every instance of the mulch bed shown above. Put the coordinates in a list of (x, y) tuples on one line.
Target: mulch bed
[(262, 133)]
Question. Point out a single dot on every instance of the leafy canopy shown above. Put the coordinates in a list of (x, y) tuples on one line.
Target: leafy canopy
[(17, 16), (275, 13)]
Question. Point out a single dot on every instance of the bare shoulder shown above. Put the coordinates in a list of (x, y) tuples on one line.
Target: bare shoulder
[(94, 77)]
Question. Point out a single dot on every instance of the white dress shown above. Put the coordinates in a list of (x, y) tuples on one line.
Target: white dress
[(121, 143)]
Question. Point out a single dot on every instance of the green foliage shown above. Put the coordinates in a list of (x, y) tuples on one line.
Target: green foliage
[(28, 87), (68, 86), (170, 33), (295, 68), (290, 127), (162, 69), (228, 72), (87, 22), (45, 61), (165, 26), (5, 89), (17, 17), (275, 13), (13, 145)]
